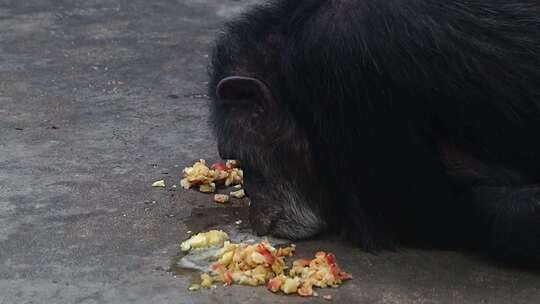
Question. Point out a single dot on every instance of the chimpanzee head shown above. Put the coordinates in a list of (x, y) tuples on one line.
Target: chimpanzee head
[(254, 125), (279, 178)]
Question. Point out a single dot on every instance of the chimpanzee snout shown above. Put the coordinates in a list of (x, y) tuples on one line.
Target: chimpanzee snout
[(260, 209), (259, 223)]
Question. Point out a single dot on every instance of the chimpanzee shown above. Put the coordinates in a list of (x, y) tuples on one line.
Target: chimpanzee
[(392, 122)]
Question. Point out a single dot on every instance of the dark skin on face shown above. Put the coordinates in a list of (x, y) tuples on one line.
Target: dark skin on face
[(389, 123)]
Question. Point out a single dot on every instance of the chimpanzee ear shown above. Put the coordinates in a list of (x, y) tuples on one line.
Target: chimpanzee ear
[(234, 90)]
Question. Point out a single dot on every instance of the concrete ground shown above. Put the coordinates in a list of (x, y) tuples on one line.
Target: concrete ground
[(98, 98)]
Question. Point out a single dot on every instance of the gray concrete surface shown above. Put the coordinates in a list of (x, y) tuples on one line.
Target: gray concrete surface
[(100, 98)]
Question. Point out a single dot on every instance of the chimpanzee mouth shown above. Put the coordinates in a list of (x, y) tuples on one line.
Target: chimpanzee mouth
[(261, 225)]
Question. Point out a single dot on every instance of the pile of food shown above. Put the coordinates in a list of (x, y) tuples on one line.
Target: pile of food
[(206, 178), (205, 240), (262, 264), (251, 263), (322, 271)]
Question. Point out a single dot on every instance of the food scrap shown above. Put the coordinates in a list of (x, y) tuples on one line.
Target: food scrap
[(159, 183), (221, 198), (262, 264), (238, 194), (206, 178), (322, 271), (247, 264), (212, 238)]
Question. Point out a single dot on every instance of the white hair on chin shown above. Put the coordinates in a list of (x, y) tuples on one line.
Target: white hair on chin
[(300, 219)]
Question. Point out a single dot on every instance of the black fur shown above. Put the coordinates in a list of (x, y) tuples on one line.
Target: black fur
[(391, 121)]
